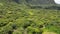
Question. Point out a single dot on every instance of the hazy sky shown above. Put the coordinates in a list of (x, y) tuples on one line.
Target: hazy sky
[(57, 1)]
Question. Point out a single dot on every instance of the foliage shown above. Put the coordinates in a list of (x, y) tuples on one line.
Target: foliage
[(18, 18)]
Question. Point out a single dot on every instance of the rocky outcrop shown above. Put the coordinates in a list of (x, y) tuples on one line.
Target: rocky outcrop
[(38, 2)]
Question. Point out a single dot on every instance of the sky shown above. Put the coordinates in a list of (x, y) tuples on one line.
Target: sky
[(57, 1)]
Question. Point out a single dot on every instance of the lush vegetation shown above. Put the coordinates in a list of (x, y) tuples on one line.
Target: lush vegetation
[(16, 18)]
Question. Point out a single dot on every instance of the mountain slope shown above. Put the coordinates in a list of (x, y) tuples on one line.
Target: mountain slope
[(18, 18), (38, 2)]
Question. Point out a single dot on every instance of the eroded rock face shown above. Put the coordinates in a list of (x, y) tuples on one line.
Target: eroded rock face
[(37, 2), (33, 2)]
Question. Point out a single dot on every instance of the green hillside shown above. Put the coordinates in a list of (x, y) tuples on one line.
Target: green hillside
[(17, 17)]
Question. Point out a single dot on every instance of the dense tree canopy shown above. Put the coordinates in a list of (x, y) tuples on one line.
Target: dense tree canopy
[(18, 18)]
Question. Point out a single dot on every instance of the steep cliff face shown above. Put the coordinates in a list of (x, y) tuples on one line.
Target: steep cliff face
[(33, 2), (38, 2)]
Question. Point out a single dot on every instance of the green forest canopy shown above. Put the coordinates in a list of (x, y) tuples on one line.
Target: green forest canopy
[(16, 18)]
